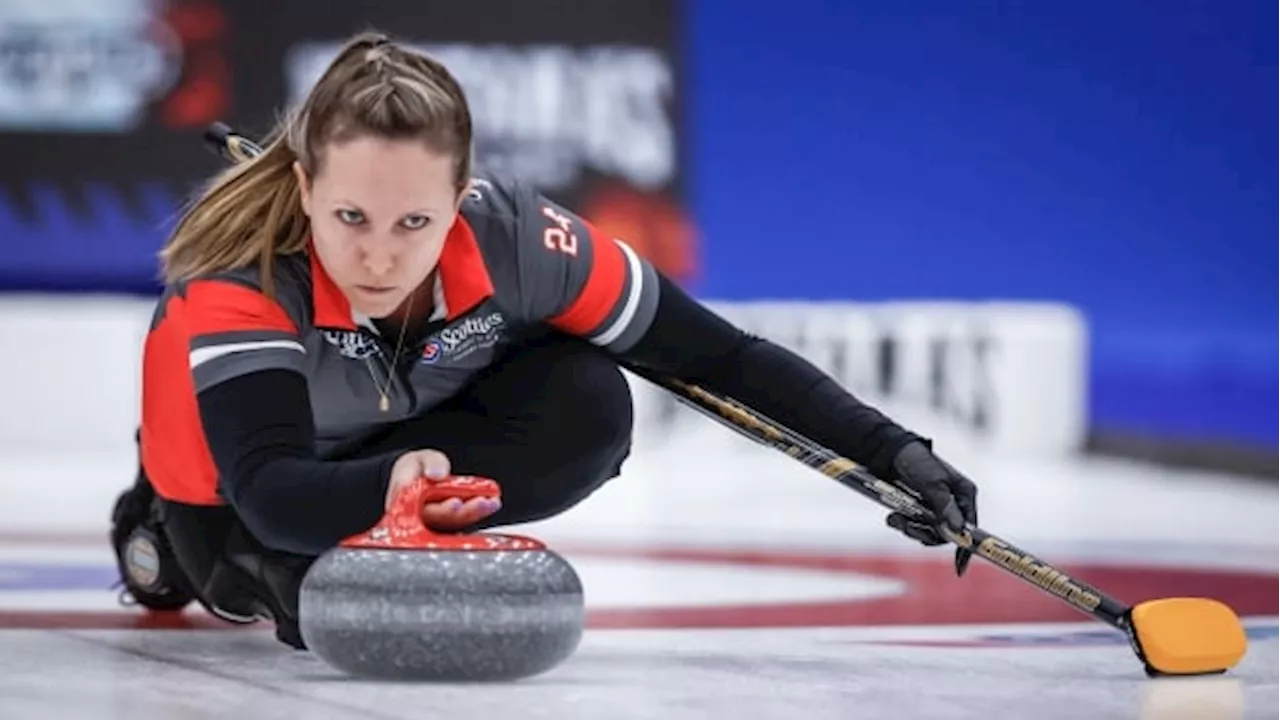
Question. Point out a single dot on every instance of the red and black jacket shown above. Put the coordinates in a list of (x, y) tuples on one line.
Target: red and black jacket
[(245, 396)]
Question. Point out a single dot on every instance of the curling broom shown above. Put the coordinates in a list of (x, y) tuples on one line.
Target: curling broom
[(1171, 636)]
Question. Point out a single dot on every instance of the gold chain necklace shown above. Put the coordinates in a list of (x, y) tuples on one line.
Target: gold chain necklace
[(384, 399)]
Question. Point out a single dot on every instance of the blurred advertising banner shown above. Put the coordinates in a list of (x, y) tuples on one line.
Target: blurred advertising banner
[(102, 104)]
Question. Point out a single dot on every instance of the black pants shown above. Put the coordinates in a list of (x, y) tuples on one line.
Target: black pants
[(551, 422)]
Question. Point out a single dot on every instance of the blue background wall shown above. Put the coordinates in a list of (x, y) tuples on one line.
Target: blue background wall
[(1120, 156)]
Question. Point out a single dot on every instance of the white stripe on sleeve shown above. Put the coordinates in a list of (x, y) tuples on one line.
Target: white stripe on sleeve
[(200, 356), (619, 326)]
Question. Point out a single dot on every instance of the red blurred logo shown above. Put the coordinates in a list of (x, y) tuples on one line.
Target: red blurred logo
[(203, 91), (653, 225)]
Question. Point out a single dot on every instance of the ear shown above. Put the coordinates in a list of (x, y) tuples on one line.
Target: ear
[(304, 187)]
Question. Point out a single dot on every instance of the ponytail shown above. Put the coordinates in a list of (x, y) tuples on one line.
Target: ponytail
[(249, 213)]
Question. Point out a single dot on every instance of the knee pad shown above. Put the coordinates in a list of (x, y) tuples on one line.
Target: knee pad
[(149, 572)]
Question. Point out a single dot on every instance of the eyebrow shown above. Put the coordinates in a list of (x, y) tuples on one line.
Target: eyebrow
[(415, 211)]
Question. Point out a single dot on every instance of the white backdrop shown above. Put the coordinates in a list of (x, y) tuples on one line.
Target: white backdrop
[(1007, 377)]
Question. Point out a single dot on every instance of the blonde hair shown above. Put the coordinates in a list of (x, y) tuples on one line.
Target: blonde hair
[(252, 212)]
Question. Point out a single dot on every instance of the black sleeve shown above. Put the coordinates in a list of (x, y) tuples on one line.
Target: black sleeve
[(689, 342), (261, 434)]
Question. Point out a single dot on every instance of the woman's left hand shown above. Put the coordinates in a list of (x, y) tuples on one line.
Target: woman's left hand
[(951, 496)]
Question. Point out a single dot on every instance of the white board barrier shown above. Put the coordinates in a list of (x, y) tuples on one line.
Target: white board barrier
[(1004, 377), (1010, 377)]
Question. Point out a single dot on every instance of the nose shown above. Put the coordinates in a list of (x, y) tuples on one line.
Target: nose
[(377, 256)]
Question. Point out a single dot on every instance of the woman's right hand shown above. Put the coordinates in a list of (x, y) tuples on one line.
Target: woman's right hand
[(410, 467), (447, 515)]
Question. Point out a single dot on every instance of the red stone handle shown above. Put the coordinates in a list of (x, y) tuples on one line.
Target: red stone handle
[(402, 526)]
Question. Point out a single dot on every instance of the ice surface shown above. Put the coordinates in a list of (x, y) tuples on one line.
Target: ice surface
[(1102, 513), (618, 674)]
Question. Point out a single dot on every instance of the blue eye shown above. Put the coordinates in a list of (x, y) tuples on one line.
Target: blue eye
[(415, 222), (350, 217)]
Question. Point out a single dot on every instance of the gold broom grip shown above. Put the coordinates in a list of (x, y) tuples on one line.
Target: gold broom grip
[(230, 144)]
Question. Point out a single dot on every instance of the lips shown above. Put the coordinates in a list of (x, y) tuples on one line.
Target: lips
[(375, 290)]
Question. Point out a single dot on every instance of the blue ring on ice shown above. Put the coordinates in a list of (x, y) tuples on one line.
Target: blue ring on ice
[(42, 576)]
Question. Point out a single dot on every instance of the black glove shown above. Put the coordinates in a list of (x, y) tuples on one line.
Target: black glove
[(951, 496)]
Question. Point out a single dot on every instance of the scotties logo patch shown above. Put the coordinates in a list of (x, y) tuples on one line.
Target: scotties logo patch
[(476, 332)]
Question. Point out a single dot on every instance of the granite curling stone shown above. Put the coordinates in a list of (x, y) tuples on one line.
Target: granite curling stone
[(400, 602)]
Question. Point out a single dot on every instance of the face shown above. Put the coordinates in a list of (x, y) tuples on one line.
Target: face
[(380, 211)]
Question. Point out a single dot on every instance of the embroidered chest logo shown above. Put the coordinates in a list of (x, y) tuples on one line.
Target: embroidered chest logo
[(354, 345), (457, 341)]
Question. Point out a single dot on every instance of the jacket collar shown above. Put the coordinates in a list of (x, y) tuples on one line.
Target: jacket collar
[(464, 281)]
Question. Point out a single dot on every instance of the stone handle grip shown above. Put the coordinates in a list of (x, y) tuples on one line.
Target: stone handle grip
[(402, 525)]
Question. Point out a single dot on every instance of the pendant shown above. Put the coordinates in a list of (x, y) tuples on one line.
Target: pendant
[(384, 404)]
